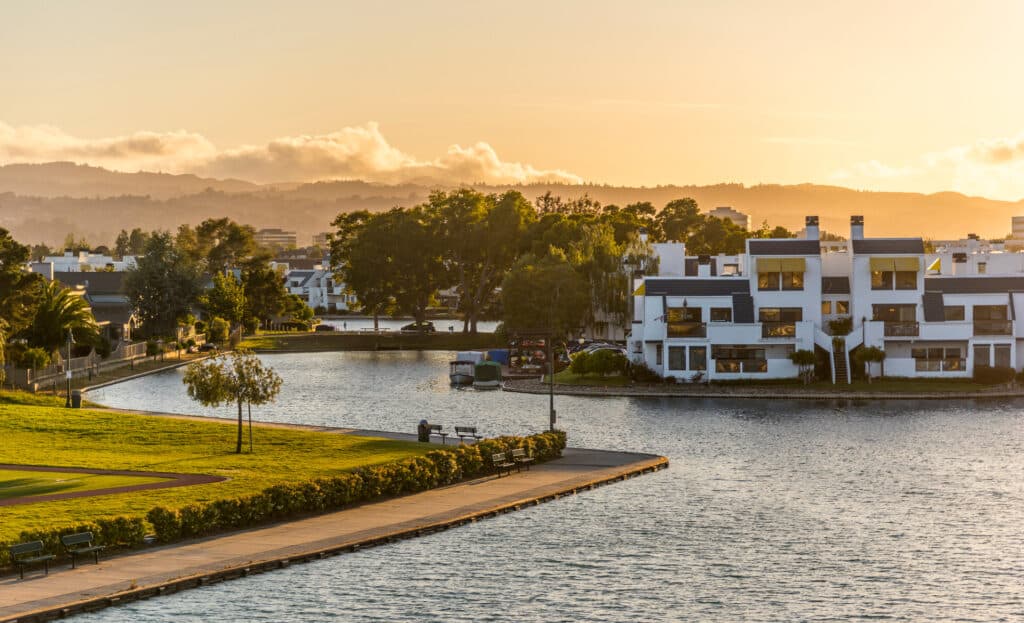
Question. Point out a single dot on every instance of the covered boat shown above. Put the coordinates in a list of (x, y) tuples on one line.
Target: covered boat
[(461, 370), (487, 375)]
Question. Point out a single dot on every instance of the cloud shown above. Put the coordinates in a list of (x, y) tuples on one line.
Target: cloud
[(988, 167), (359, 152)]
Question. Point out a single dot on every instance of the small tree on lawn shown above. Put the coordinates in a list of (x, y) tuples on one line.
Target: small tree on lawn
[(805, 359), (580, 365), (240, 379), (871, 354)]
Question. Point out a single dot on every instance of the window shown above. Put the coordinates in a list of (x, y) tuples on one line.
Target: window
[(768, 281), (658, 356), (953, 312), (982, 267), (894, 313), (698, 358), (739, 359), (826, 307), (792, 281), (676, 357), (906, 280), (947, 359), (982, 355), (1002, 352), (990, 312), (781, 314), (729, 270), (685, 322), (842, 307), (721, 314), (881, 280)]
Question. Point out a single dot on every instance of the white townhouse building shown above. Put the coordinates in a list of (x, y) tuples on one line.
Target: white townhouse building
[(318, 288), (740, 317)]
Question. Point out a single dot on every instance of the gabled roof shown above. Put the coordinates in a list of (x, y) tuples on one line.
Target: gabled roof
[(784, 246), (725, 286), (835, 285), (93, 282), (888, 245), (974, 285)]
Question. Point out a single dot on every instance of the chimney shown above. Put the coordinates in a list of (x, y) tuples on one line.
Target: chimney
[(856, 228), (703, 265), (811, 231)]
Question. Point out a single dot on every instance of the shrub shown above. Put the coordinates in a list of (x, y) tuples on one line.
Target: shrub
[(581, 364), (434, 469), (34, 358), (643, 373), (994, 375), (102, 347), (219, 330), (605, 362), (116, 533), (840, 326)]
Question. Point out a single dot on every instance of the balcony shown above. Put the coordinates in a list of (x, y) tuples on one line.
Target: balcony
[(778, 329), (993, 327), (902, 329), (687, 329)]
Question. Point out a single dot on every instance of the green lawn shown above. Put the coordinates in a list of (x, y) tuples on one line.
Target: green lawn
[(566, 377), (26, 483), (38, 430)]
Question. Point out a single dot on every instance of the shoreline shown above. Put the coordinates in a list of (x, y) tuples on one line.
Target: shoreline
[(168, 569), (764, 392)]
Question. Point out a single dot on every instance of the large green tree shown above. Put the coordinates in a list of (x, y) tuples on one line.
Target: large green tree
[(19, 288), (225, 299), (545, 293), (415, 256), (163, 286), (358, 260), (265, 295)]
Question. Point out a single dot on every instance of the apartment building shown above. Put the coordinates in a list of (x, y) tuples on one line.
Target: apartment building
[(737, 317)]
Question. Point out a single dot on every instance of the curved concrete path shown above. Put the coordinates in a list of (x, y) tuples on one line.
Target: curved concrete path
[(171, 479), (176, 567)]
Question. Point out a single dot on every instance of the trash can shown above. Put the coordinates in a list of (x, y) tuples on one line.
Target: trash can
[(76, 399), (423, 431)]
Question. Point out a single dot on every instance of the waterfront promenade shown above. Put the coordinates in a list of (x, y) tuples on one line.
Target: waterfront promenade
[(165, 569)]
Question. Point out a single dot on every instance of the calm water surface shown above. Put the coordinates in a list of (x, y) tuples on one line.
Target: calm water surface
[(773, 511)]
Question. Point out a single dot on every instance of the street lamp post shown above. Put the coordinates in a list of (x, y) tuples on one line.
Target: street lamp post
[(67, 371), (551, 383)]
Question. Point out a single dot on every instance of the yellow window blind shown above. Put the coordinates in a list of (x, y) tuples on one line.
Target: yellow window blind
[(769, 265)]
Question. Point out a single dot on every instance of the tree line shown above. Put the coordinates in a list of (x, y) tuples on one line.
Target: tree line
[(558, 264)]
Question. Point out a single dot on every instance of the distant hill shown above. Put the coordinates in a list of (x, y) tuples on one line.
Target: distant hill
[(45, 202)]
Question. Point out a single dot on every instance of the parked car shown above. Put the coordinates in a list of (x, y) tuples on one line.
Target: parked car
[(207, 347), (323, 328), (426, 327)]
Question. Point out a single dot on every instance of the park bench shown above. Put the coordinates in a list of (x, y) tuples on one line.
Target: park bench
[(435, 430), (520, 458), (24, 554), (81, 544), (467, 432), (501, 463)]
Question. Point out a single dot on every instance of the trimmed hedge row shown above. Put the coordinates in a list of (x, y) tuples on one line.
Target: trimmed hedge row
[(434, 469), (280, 502)]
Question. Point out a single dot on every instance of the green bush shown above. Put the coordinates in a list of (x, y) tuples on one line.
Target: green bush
[(643, 373), (118, 533), (34, 358), (286, 501), (607, 362), (580, 365), (994, 375), (219, 329), (840, 326)]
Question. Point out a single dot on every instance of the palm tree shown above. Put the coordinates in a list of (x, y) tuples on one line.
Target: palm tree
[(61, 310)]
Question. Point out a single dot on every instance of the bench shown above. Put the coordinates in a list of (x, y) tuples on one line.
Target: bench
[(81, 544), (520, 458), (435, 430), (501, 463), (467, 432), (24, 554)]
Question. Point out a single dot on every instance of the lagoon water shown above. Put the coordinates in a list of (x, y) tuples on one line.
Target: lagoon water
[(770, 511)]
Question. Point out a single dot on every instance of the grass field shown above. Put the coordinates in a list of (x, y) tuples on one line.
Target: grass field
[(37, 430), (566, 377), (26, 483)]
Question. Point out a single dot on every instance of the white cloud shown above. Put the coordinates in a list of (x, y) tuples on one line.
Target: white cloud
[(359, 152), (988, 167)]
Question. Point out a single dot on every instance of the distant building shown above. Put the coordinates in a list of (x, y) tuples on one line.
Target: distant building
[(320, 240), (276, 239), (1016, 240), (84, 261), (105, 293), (729, 214)]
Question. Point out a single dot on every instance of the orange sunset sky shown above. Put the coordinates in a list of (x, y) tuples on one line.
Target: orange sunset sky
[(916, 96)]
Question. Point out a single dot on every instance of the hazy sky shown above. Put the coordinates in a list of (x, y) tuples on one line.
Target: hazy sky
[(897, 95)]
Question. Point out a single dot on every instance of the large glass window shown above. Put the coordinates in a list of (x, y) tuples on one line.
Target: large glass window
[(842, 307), (894, 313), (721, 314), (906, 280), (739, 359), (768, 281), (881, 279), (990, 312), (826, 307), (676, 357), (982, 355), (938, 359), (953, 312), (792, 281), (698, 358), (1002, 352), (684, 322)]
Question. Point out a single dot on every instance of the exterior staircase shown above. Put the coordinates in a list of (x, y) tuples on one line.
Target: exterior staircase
[(839, 361)]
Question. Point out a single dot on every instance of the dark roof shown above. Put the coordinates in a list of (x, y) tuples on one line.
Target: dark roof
[(835, 285), (888, 245), (784, 246), (974, 285), (115, 314), (725, 286), (94, 282), (299, 263)]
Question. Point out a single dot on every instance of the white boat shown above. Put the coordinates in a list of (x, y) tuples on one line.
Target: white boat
[(461, 372)]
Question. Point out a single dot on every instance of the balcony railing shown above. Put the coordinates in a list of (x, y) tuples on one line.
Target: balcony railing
[(778, 329), (940, 365), (902, 329), (687, 329), (993, 327)]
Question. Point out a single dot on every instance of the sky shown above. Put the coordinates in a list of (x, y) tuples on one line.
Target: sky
[(909, 96)]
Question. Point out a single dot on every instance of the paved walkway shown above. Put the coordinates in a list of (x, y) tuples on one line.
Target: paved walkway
[(788, 392), (176, 567)]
